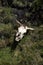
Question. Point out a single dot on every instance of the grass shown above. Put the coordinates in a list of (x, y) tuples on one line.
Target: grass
[(30, 54)]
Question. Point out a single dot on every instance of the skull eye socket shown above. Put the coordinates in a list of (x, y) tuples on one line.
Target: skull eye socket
[(18, 34)]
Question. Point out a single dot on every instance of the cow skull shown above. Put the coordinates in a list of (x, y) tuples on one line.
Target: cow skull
[(20, 33)]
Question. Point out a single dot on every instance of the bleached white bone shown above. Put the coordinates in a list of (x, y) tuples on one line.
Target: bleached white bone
[(19, 22), (21, 30), (29, 28)]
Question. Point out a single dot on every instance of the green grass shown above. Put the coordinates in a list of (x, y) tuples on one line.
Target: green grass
[(28, 51)]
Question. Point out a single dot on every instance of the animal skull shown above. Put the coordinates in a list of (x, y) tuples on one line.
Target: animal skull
[(20, 33)]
